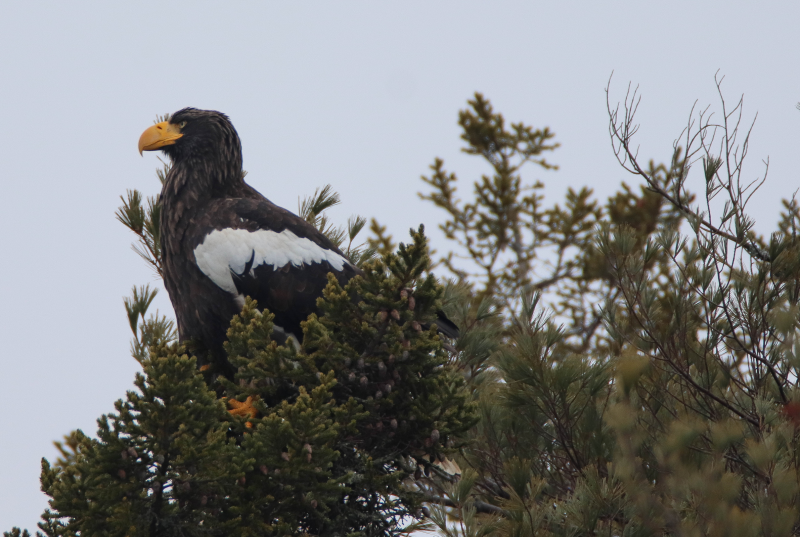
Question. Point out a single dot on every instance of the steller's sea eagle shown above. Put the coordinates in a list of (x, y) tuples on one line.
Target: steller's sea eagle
[(222, 241)]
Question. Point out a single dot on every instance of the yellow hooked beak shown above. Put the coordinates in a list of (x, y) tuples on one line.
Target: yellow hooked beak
[(158, 136)]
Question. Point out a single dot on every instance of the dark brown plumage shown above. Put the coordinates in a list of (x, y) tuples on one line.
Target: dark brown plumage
[(221, 240)]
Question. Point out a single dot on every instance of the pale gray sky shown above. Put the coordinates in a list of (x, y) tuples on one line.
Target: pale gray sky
[(362, 95)]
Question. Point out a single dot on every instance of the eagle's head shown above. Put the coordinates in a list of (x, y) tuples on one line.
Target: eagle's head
[(191, 134)]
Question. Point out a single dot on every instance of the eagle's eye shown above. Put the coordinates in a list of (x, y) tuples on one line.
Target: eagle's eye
[(183, 124)]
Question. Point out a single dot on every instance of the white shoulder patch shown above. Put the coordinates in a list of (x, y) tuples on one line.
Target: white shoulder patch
[(226, 250)]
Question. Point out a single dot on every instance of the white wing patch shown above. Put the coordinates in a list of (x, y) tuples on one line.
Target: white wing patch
[(226, 250)]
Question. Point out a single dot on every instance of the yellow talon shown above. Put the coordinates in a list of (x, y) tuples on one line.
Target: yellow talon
[(242, 409)]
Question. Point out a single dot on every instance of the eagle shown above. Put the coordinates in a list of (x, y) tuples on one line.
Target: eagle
[(222, 241)]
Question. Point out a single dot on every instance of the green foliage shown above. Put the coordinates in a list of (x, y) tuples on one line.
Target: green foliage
[(172, 461), (324, 438), (394, 404), (312, 210), (144, 221), (650, 387), (496, 228), (161, 465), (510, 244), (151, 331), (381, 241), (16, 532)]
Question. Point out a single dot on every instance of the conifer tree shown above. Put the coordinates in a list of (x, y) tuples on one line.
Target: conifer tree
[(331, 438), (641, 374)]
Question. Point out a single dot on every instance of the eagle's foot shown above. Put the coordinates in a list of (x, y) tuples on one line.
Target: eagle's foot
[(243, 409)]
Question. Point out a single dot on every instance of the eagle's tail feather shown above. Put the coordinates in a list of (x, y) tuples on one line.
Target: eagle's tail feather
[(445, 326)]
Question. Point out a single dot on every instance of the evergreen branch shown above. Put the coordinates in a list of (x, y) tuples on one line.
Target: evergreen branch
[(622, 132), (480, 506)]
